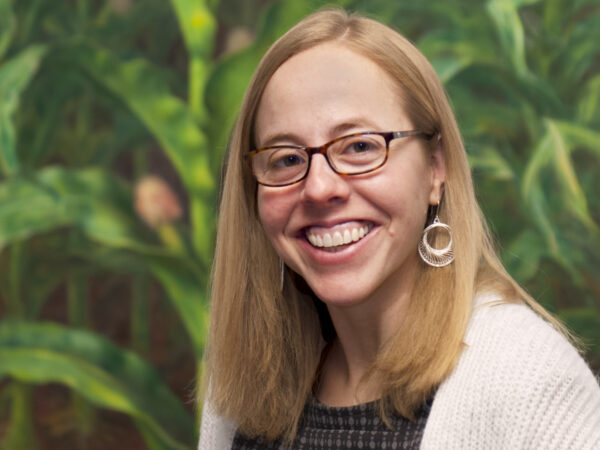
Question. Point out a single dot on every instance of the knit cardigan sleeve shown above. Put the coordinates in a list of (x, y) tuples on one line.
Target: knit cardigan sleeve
[(518, 384)]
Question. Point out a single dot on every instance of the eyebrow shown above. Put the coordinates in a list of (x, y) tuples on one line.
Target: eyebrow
[(280, 137), (337, 131)]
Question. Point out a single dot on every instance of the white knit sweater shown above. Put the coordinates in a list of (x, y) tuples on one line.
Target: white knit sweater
[(518, 384)]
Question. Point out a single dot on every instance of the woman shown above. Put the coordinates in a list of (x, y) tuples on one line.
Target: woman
[(357, 298)]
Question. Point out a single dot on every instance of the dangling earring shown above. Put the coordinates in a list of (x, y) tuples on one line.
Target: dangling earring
[(282, 274), (433, 256)]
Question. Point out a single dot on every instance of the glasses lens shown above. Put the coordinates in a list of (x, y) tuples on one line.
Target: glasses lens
[(357, 154), (279, 166)]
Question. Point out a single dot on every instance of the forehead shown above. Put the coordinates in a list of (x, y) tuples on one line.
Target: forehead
[(326, 86)]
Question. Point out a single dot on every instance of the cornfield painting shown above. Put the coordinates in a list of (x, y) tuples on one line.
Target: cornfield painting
[(114, 119)]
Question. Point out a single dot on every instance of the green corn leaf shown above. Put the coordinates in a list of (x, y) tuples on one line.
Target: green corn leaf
[(426, 16), (538, 210), (574, 195), (57, 90), (578, 59), (92, 199), (536, 201), (578, 4), (580, 136), (15, 75), (225, 89), (7, 26), (520, 3), (101, 206), (26, 209), (522, 256), (448, 67), (532, 193), (99, 371), (185, 287), (505, 17), (152, 441), (492, 163), (202, 216), (556, 248), (139, 86), (485, 119), (183, 281), (588, 107), (21, 429), (453, 50), (198, 26)]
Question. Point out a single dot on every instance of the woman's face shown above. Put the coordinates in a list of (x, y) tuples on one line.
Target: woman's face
[(318, 95)]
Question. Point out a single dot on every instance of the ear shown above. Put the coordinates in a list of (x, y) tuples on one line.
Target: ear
[(438, 171)]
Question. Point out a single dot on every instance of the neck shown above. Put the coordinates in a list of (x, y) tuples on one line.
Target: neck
[(362, 329)]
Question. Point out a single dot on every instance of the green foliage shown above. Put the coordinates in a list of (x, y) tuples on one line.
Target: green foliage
[(98, 370), (114, 81), (138, 85), (15, 74), (7, 25), (53, 197), (537, 85), (65, 214)]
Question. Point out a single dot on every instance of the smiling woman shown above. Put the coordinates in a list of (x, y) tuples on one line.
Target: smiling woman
[(311, 98), (357, 298)]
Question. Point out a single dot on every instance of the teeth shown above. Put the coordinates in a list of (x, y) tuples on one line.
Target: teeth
[(320, 242), (339, 238), (347, 237)]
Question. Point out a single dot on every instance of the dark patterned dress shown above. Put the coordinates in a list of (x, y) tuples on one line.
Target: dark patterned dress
[(355, 427)]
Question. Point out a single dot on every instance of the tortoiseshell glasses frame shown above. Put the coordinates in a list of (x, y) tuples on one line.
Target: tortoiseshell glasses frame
[(352, 154)]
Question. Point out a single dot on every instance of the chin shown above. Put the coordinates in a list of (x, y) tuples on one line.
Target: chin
[(340, 296)]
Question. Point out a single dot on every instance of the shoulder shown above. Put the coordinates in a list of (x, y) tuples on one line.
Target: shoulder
[(216, 433), (518, 384), (511, 333)]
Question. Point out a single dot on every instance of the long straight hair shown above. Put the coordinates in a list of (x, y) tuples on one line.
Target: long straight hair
[(265, 343)]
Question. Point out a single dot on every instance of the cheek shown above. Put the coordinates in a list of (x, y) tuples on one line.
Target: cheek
[(273, 210), (405, 195)]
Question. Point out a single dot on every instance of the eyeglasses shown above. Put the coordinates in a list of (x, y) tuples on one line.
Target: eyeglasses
[(354, 154)]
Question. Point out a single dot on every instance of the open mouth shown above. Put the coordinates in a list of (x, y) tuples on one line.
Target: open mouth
[(339, 237)]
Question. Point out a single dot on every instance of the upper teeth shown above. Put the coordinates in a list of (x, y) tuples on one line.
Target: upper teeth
[(346, 236)]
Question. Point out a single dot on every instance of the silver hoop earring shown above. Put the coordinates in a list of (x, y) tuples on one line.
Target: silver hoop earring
[(433, 256), (282, 274)]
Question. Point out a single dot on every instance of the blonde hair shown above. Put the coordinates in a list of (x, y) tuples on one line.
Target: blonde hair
[(265, 344)]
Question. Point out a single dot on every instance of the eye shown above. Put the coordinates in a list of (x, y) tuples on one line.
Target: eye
[(285, 157), (289, 160), (360, 144), (359, 147)]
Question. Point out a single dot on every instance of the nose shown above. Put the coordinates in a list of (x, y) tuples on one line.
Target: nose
[(322, 184)]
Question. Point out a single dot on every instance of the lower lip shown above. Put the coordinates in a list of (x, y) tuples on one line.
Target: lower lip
[(345, 254)]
